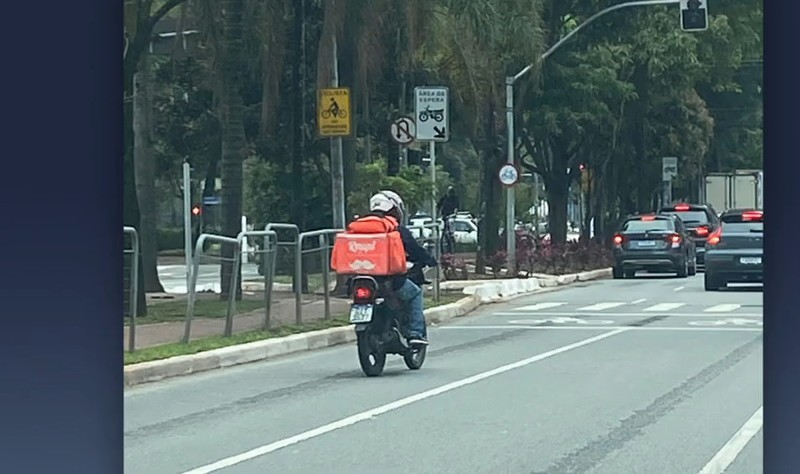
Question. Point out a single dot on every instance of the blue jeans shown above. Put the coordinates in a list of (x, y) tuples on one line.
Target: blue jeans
[(411, 295)]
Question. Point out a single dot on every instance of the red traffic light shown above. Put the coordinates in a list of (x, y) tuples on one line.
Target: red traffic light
[(582, 167), (196, 210)]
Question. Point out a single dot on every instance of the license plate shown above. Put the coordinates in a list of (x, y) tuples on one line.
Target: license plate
[(647, 243), (361, 313), (750, 260)]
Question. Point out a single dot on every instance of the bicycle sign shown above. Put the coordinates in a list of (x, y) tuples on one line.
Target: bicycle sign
[(508, 175), (431, 113), (333, 117)]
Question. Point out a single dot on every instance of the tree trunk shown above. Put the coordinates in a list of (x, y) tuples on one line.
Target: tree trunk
[(491, 186), (297, 121), (233, 138), (557, 182), (145, 166), (130, 209)]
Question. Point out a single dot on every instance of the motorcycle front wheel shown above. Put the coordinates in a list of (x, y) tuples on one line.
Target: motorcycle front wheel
[(372, 361)]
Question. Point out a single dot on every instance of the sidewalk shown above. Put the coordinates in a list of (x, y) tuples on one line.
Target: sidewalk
[(283, 313)]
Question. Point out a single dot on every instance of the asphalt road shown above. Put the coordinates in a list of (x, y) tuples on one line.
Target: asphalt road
[(649, 376)]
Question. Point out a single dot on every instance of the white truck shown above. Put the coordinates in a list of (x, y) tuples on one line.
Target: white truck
[(735, 190)]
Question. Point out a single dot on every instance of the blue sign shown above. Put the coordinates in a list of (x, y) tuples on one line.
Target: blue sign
[(212, 200)]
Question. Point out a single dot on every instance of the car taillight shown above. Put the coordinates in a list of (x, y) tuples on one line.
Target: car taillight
[(618, 240), (648, 218), (675, 240), (363, 293), (682, 207), (752, 216), (701, 231), (714, 238)]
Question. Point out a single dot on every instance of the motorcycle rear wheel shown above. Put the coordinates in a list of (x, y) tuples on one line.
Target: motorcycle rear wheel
[(415, 359), (372, 361)]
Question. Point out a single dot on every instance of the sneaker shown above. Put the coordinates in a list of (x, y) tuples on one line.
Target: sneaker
[(417, 341)]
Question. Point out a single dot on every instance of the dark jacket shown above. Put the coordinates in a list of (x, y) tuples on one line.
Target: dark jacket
[(415, 253)]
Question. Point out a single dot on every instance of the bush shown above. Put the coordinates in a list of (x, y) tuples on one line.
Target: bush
[(453, 268), (557, 259)]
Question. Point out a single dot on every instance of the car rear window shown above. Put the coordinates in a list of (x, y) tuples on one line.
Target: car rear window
[(690, 217), (738, 227), (641, 226)]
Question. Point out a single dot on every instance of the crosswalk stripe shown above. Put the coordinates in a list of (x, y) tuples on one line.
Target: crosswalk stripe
[(539, 306), (723, 308), (600, 306), (664, 306)]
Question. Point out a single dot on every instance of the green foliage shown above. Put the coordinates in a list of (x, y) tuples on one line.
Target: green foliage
[(413, 184)]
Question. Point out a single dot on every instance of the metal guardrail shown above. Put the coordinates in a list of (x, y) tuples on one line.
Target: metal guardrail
[(134, 283), (325, 245), (295, 231), (199, 253), (269, 254)]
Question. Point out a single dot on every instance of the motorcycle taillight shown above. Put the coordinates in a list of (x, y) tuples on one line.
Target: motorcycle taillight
[(363, 293)]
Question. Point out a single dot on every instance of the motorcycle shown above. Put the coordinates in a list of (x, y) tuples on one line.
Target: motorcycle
[(380, 323)]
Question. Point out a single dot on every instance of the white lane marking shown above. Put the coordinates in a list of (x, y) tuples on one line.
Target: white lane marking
[(602, 328), (723, 308), (725, 456), (628, 315), (722, 322), (561, 320), (366, 415), (679, 288), (539, 306), (639, 301), (600, 306), (664, 307)]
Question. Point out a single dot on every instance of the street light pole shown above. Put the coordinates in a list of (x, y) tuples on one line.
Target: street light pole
[(511, 242)]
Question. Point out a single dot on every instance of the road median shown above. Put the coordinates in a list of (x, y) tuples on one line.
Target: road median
[(477, 293)]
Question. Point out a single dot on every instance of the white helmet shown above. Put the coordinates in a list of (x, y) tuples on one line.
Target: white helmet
[(385, 201)]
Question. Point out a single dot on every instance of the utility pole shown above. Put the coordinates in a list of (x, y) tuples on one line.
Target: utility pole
[(337, 165)]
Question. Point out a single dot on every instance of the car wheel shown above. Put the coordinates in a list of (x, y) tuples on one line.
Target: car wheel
[(616, 272), (683, 269), (712, 283), (630, 273)]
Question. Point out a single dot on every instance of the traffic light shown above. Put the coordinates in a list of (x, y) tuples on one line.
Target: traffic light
[(694, 15), (197, 210)]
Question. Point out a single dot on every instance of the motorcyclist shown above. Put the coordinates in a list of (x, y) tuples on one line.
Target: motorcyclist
[(448, 206), (389, 203)]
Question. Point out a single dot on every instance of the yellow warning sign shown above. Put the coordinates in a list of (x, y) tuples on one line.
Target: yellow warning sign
[(333, 112)]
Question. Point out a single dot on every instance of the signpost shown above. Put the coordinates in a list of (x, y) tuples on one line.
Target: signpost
[(431, 114), (403, 131), (669, 170), (333, 112), (509, 175), (432, 120)]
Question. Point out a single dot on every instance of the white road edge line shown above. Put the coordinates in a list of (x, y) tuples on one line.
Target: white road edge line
[(639, 301), (366, 415), (725, 456), (679, 288), (537, 314), (604, 328)]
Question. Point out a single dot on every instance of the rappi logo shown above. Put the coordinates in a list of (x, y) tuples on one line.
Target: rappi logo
[(360, 247)]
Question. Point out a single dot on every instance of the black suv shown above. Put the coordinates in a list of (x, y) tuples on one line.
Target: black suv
[(700, 220), (656, 243)]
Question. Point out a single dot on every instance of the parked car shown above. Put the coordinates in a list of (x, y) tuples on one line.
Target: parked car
[(656, 243), (735, 251)]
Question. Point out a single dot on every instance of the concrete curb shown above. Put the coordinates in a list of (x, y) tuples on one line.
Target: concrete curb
[(484, 292)]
